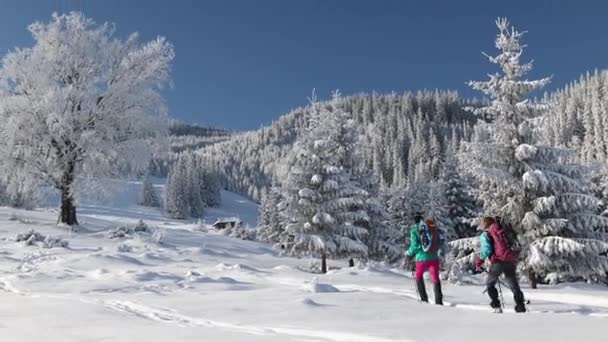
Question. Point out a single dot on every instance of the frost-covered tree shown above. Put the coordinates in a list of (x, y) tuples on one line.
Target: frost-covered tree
[(211, 189), (177, 192), (148, 196), (190, 186), (534, 188), (195, 184), (80, 104), (461, 206), (271, 225), (384, 241), (324, 203), (389, 125)]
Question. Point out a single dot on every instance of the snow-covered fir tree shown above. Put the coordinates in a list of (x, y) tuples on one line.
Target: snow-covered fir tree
[(271, 225), (325, 206), (534, 188), (195, 184), (177, 192), (80, 105), (384, 241), (461, 205), (148, 196), (190, 185)]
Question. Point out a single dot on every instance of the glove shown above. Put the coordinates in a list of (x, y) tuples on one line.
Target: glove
[(409, 258), (479, 265)]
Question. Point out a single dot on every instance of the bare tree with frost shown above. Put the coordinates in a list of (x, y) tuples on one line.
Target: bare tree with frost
[(81, 104)]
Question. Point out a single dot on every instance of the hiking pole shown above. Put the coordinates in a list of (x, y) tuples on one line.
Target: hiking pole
[(499, 282), (502, 300), (416, 286)]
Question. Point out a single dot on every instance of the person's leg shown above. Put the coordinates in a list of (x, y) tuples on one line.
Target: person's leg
[(434, 267), (510, 270), (421, 267), (493, 274)]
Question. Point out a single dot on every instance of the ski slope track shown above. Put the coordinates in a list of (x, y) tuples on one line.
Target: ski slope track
[(196, 284)]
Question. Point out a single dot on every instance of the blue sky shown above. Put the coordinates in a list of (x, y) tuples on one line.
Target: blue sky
[(241, 64)]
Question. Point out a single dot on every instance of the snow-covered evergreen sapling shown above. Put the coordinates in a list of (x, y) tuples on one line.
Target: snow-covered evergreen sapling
[(148, 196)]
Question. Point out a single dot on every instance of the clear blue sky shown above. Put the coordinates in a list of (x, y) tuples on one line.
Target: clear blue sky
[(240, 64)]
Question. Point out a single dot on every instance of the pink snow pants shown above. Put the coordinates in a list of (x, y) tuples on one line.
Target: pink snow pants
[(430, 265)]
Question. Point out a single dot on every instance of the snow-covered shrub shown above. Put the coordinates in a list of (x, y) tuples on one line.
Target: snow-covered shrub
[(158, 236), (54, 241), (240, 232), (124, 248), (33, 238), (30, 237), (127, 231)]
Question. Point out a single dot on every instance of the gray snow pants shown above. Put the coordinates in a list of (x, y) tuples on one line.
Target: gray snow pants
[(509, 269)]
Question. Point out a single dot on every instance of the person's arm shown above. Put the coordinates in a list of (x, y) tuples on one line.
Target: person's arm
[(414, 242), (486, 246)]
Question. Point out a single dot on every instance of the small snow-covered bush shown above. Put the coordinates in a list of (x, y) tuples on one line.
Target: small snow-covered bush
[(30, 237), (127, 231), (53, 241), (240, 232), (158, 237), (124, 248), (33, 238)]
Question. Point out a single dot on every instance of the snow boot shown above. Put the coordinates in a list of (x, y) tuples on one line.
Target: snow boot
[(422, 291), (520, 307), (438, 294)]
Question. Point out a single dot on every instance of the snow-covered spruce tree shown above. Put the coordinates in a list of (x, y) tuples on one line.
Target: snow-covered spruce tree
[(532, 187), (177, 196), (80, 103), (384, 241), (271, 225), (195, 184), (461, 206), (437, 210), (324, 203), (187, 185), (147, 195), (210, 184)]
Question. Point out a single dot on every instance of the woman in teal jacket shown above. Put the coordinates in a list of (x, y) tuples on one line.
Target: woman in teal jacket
[(426, 260)]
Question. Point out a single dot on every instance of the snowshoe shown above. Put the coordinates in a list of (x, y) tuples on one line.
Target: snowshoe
[(497, 310)]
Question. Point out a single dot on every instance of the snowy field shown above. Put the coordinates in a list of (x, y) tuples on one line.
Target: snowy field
[(203, 286)]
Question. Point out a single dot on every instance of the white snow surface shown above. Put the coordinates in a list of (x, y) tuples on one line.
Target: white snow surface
[(203, 286)]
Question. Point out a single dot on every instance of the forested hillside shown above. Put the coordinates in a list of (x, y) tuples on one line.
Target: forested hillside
[(404, 138)]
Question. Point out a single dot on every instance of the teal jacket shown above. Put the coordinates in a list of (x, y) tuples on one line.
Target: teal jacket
[(416, 250), (486, 246)]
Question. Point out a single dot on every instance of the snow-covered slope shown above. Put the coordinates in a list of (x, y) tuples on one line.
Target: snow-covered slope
[(196, 285)]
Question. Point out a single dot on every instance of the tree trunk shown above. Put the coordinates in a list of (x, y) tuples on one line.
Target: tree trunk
[(323, 263), (532, 279), (68, 210), (351, 262)]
